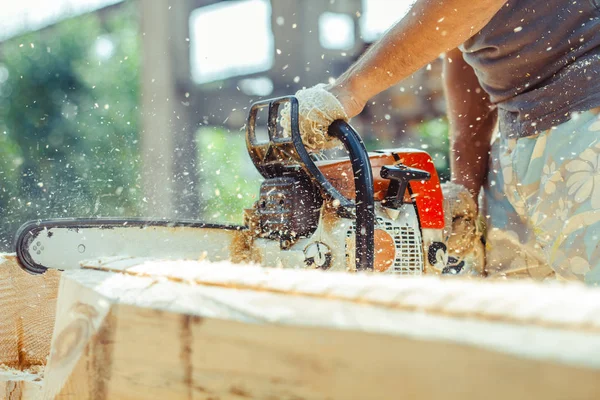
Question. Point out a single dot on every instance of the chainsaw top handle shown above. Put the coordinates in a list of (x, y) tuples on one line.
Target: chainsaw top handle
[(280, 155)]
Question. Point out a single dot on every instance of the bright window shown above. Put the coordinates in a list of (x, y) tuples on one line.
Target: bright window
[(336, 31), (28, 15), (380, 15), (231, 39)]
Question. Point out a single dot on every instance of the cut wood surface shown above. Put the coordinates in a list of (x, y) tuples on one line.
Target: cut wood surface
[(27, 306), (19, 385), (27, 309), (141, 329)]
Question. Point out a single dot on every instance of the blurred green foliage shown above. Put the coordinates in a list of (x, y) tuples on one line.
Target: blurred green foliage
[(69, 121), (430, 135), (433, 135), (230, 182)]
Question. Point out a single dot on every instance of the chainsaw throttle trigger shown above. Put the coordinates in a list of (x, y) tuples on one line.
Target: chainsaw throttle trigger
[(400, 176)]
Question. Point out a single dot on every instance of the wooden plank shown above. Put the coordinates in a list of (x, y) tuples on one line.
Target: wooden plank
[(28, 306), (19, 385), (82, 311), (217, 331)]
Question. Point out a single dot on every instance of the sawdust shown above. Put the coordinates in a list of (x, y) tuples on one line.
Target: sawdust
[(241, 244), (33, 374), (431, 295), (318, 108)]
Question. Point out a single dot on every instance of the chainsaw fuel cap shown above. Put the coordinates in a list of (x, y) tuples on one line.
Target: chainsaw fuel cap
[(317, 255)]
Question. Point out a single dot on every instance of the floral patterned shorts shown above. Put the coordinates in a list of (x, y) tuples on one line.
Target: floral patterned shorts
[(542, 203)]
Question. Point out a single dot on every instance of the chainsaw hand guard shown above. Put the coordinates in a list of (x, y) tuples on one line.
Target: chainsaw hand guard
[(282, 155)]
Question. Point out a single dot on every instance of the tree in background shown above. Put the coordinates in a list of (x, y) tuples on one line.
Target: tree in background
[(69, 121)]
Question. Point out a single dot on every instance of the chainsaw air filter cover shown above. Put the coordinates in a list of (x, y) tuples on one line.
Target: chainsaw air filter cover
[(288, 207)]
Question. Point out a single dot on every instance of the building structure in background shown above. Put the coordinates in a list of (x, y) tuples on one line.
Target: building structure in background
[(208, 71)]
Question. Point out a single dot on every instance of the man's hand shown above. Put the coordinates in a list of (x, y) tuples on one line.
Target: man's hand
[(318, 108), (463, 232)]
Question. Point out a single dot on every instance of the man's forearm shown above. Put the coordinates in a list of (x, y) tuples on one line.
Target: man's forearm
[(431, 28), (472, 122), (469, 154)]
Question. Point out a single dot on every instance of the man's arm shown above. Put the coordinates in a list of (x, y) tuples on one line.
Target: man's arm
[(431, 28), (472, 121)]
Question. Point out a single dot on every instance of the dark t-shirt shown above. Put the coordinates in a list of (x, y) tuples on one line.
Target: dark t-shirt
[(539, 60)]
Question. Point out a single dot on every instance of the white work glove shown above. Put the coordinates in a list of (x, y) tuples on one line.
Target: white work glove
[(463, 232), (318, 108)]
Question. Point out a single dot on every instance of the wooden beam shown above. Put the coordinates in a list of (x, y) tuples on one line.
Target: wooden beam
[(21, 385), (27, 306), (146, 329)]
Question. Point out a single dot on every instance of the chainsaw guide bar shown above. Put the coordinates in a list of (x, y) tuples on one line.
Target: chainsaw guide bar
[(64, 243)]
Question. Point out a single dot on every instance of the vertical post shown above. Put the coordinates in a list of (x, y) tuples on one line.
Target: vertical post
[(168, 147), (296, 31)]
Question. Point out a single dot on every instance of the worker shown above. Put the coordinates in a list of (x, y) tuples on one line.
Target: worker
[(531, 68)]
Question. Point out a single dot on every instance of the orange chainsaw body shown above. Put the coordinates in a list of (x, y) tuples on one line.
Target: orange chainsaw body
[(426, 195)]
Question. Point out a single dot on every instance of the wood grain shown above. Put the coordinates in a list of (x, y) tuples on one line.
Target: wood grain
[(27, 304), (27, 309), (20, 385)]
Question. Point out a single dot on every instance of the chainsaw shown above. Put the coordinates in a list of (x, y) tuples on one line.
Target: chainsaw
[(380, 211)]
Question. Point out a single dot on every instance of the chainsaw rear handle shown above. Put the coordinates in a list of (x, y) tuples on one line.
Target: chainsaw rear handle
[(364, 189), (273, 157)]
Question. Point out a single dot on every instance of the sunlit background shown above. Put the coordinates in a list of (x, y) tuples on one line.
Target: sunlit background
[(136, 108)]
